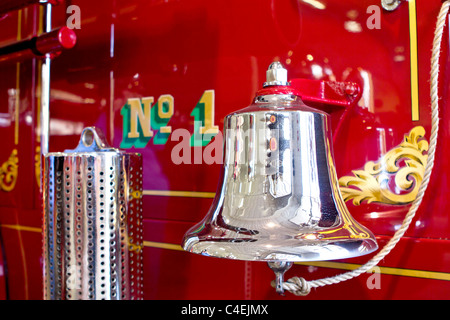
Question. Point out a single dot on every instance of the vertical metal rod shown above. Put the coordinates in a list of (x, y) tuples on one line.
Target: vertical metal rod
[(45, 88), (111, 72)]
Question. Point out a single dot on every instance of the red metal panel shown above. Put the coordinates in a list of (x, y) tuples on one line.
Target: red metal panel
[(3, 275), (140, 48), (398, 277), (24, 263)]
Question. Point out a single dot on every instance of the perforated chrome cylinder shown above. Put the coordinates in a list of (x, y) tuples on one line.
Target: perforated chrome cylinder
[(92, 226)]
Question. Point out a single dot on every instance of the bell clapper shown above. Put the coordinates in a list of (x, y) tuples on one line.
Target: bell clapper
[(279, 268)]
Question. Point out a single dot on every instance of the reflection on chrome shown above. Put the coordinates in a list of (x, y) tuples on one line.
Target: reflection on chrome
[(278, 198)]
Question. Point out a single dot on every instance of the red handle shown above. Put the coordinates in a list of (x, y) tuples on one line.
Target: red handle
[(63, 38), (52, 42)]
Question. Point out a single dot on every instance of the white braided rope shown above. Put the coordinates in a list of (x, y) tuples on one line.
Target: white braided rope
[(302, 287)]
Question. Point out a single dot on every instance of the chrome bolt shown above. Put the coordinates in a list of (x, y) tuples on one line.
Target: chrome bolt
[(390, 5)]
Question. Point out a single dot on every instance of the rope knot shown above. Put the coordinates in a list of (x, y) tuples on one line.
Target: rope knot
[(298, 286)]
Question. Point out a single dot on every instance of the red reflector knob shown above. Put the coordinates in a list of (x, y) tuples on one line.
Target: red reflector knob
[(67, 38)]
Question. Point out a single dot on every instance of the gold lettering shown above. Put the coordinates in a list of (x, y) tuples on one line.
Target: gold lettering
[(169, 101), (140, 111)]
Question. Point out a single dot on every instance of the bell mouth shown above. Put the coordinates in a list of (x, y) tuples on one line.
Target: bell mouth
[(327, 244)]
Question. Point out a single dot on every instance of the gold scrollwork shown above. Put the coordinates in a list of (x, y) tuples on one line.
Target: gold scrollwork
[(372, 184), (9, 171)]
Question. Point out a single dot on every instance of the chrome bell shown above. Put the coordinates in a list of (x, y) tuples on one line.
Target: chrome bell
[(278, 199)]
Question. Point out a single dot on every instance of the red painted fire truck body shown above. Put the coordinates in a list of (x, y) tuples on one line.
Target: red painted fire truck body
[(213, 55)]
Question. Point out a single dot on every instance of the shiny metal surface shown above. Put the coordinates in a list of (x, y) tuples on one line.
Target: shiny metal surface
[(93, 222), (278, 199)]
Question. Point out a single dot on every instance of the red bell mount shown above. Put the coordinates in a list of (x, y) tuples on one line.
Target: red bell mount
[(337, 98), (52, 42), (328, 96), (276, 89), (333, 97)]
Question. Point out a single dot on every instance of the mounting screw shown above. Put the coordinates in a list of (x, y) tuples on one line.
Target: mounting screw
[(390, 5)]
